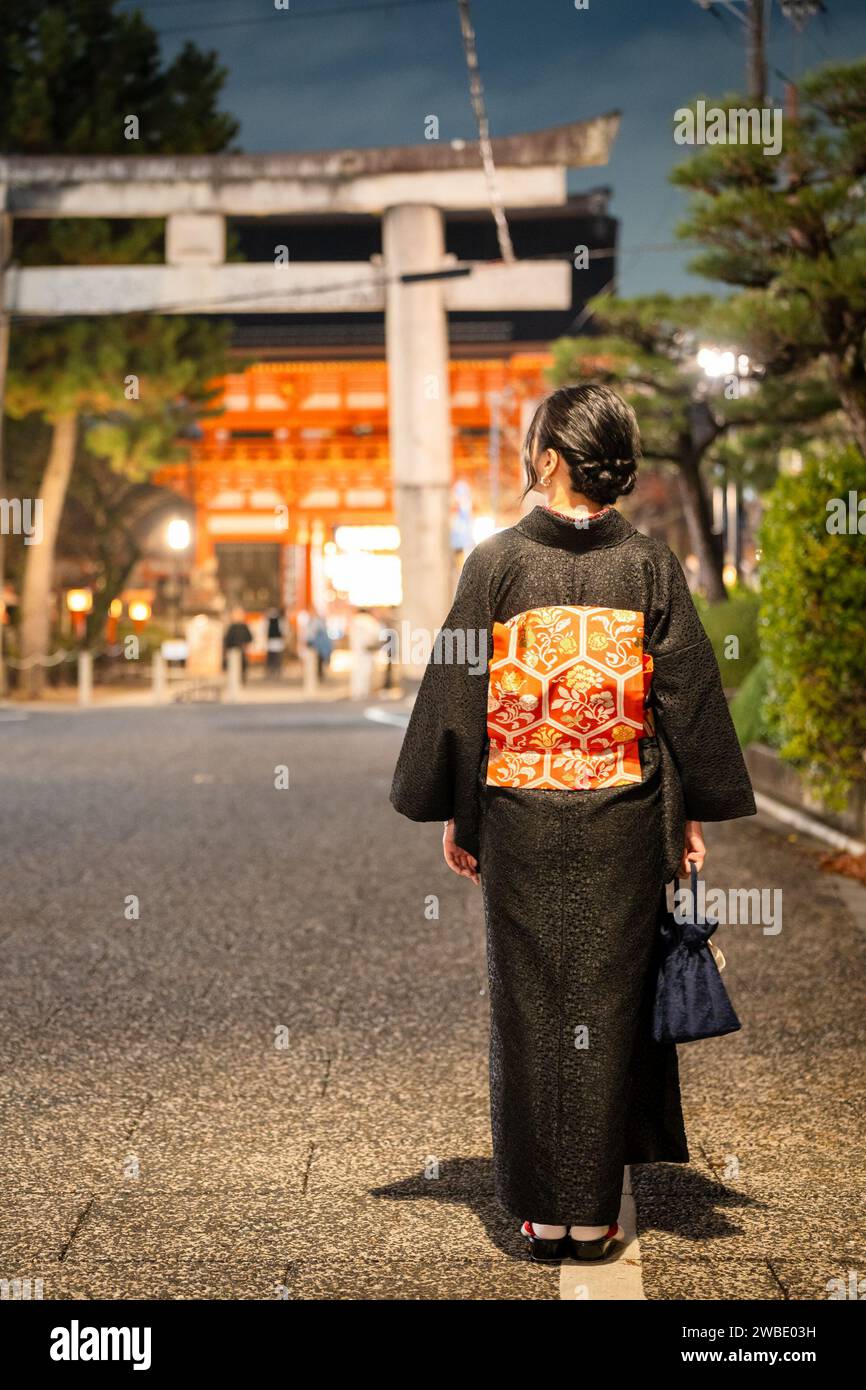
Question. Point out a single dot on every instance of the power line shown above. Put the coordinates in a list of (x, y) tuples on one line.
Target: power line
[(798, 13), (476, 92), (634, 252)]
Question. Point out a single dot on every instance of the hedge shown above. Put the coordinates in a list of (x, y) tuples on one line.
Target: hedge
[(813, 620)]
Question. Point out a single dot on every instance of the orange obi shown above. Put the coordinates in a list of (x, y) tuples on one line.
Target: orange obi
[(567, 699)]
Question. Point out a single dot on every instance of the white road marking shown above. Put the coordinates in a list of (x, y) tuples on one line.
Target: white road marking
[(386, 716), (618, 1279)]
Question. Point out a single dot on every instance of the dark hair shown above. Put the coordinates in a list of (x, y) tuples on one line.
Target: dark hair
[(597, 434)]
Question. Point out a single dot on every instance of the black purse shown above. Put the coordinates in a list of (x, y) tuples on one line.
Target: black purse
[(690, 1000)]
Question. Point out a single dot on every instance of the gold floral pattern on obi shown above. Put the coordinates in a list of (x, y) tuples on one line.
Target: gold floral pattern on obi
[(567, 700)]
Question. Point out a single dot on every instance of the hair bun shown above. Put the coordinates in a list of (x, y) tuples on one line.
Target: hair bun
[(595, 432), (603, 479)]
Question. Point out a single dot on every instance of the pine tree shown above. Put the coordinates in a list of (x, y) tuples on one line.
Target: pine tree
[(646, 349), (71, 72), (789, 232)]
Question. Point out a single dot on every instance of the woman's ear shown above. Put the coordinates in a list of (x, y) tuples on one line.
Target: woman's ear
[(549, 465)]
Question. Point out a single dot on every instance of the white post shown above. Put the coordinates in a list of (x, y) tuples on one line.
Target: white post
[(732, 516), (85, 678), (234, 670), (310, 670), (158, 673), (416, 334)]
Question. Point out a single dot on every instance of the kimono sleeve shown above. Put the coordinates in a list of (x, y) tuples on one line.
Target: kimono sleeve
[(437, 772), (691, 710)]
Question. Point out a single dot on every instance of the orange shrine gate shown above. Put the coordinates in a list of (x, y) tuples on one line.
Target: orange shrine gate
[(300, 452)]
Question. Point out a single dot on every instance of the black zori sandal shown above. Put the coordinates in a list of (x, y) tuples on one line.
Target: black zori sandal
[(541, 1249), (598, 1249)]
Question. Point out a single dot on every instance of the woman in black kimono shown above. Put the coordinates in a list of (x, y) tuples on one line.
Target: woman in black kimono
[(573, 774)]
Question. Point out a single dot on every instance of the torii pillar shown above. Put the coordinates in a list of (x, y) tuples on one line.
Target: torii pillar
[(416, 335)]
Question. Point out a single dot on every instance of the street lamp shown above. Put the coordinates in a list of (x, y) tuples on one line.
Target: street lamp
[(139, 612), (79, 602)]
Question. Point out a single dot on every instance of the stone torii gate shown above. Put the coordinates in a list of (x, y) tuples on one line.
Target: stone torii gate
[(417, 284)]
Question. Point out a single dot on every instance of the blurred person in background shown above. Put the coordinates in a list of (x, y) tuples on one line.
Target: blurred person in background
[(238, 636), (275, 641), (318, 640), (365, 642)]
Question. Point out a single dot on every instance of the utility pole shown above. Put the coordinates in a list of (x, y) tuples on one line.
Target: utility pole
[(798, 13), (751, 16), (756, 58)]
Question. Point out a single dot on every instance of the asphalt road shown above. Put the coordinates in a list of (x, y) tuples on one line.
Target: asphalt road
[(241, 1057)]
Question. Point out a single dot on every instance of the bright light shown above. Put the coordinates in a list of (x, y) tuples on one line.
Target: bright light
[(729, 576), (368, 581), (367, 537), (139, 611), (115, 608), (790, 461), (482, 527), (79, 600), (174, 649), (178, 534), (716, 362)]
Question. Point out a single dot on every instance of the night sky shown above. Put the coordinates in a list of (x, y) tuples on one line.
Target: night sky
[(331, 73)]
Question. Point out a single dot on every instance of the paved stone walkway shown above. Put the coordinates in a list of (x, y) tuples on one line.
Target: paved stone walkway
[(271, 1081)]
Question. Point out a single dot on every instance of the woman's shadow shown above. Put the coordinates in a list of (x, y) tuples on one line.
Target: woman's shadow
[(670, 1197)]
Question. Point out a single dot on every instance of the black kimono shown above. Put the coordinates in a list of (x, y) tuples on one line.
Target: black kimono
[(570, 761)]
